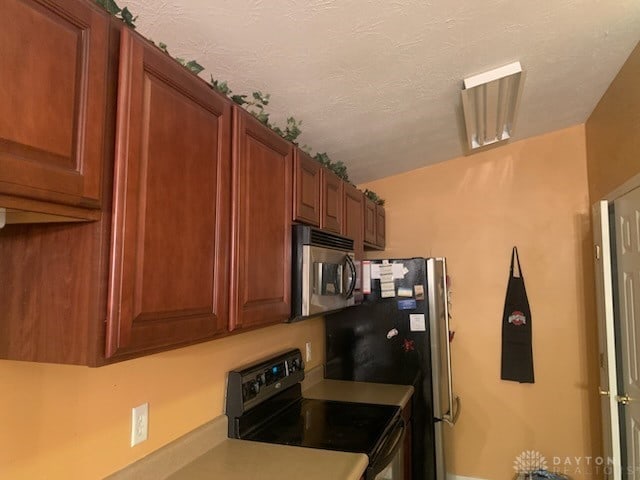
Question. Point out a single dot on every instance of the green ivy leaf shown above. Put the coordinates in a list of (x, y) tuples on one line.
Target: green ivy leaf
[(194, 66), (262, 117), (163, 46), (127, 17), (181, 61), (110, 6), (239, 99), (221, 87)]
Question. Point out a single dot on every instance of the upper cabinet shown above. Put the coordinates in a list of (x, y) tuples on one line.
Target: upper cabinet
[(262, 213), (374, 226), (381, 227), (52, 105), (321, 198), (307, 185), (170, 247), (332, 202), (370, 237), (354, 218)]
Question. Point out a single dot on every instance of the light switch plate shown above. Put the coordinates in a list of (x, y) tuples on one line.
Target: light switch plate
[(308, 352), (139, 424)]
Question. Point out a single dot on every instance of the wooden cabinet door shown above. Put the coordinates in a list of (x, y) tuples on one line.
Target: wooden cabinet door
[(262, 198), (381, 230), (370, 222), (52, 101), (306, 189), (169, 272), (332, 202), (354, 218)]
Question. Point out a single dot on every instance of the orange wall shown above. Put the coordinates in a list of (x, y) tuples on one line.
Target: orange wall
[(69, 422), (472, 210), (613, 132)]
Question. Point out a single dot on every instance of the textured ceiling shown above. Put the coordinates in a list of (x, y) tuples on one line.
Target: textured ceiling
[(376, 83)]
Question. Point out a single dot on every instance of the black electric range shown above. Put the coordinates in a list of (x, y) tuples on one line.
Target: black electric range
[(265, 404)]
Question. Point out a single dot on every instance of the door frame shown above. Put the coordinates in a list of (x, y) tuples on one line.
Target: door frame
[(609, 320)]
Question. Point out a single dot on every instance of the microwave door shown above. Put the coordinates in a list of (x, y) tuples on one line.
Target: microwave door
[(325, 285)]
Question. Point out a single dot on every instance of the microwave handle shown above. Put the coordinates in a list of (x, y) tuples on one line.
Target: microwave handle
[(317, 286), (352, 276)]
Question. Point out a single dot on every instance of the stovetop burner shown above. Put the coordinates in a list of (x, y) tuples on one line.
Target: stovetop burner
[(347, 427)]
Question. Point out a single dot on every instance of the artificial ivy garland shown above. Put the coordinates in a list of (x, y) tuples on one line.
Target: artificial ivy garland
[(254, 104)]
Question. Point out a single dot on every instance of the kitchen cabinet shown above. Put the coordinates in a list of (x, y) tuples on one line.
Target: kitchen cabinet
[(261, 227), (370, 236), (381, 231), (306, 189), (53, 106), (332, 202), (168, 273), (374, 225), (353, 225)]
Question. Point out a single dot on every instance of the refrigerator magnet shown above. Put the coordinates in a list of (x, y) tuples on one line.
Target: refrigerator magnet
[(417, 322), (409, 304), (387, 293), (419, 291), (405, 292), (366, 277)]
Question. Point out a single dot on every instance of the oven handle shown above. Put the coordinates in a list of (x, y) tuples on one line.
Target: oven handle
[(384, 458)]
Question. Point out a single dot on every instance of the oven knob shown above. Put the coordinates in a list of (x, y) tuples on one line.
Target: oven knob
[(295, 364), (255, 386)]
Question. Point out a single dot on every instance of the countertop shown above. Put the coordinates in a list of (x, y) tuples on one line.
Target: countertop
[(243, 460), (208, 453), (360, 392)]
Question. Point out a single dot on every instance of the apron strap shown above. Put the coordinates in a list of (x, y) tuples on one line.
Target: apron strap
[(514, 254)]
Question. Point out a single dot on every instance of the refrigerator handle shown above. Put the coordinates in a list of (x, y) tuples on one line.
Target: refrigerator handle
[(450, 417)]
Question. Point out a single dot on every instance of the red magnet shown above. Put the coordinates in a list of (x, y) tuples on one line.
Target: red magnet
[(408, 345)]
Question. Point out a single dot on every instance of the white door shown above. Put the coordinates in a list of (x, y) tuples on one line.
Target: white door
[(627, 228), (606, 341)]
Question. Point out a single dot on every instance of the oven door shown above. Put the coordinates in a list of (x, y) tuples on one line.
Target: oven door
[(388, 463), (328, 279)]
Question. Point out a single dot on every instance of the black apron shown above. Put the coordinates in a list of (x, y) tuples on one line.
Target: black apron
[(517, 352)]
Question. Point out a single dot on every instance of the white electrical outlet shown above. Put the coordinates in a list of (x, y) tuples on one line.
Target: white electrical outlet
[(308, 352), (139, 424)]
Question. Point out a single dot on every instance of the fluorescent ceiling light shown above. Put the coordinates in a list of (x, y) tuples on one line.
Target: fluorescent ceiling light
[(490, 103)]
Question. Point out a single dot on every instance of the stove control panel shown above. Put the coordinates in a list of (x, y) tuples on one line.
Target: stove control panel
[(249, 386)]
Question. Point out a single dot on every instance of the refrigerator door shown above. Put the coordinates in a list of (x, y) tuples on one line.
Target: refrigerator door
[(387, 340)]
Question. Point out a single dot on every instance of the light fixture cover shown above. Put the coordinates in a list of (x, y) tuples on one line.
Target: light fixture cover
[(490, 103)]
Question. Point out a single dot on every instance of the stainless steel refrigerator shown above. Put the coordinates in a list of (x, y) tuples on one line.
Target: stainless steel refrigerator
[(400, 335)]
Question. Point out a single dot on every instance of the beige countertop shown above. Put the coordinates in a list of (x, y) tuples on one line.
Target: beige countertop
[(244, 460), (208, 453), (360, 392)]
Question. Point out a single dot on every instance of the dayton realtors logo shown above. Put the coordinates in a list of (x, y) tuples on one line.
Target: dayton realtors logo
[(594, 466), (529, 461)]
